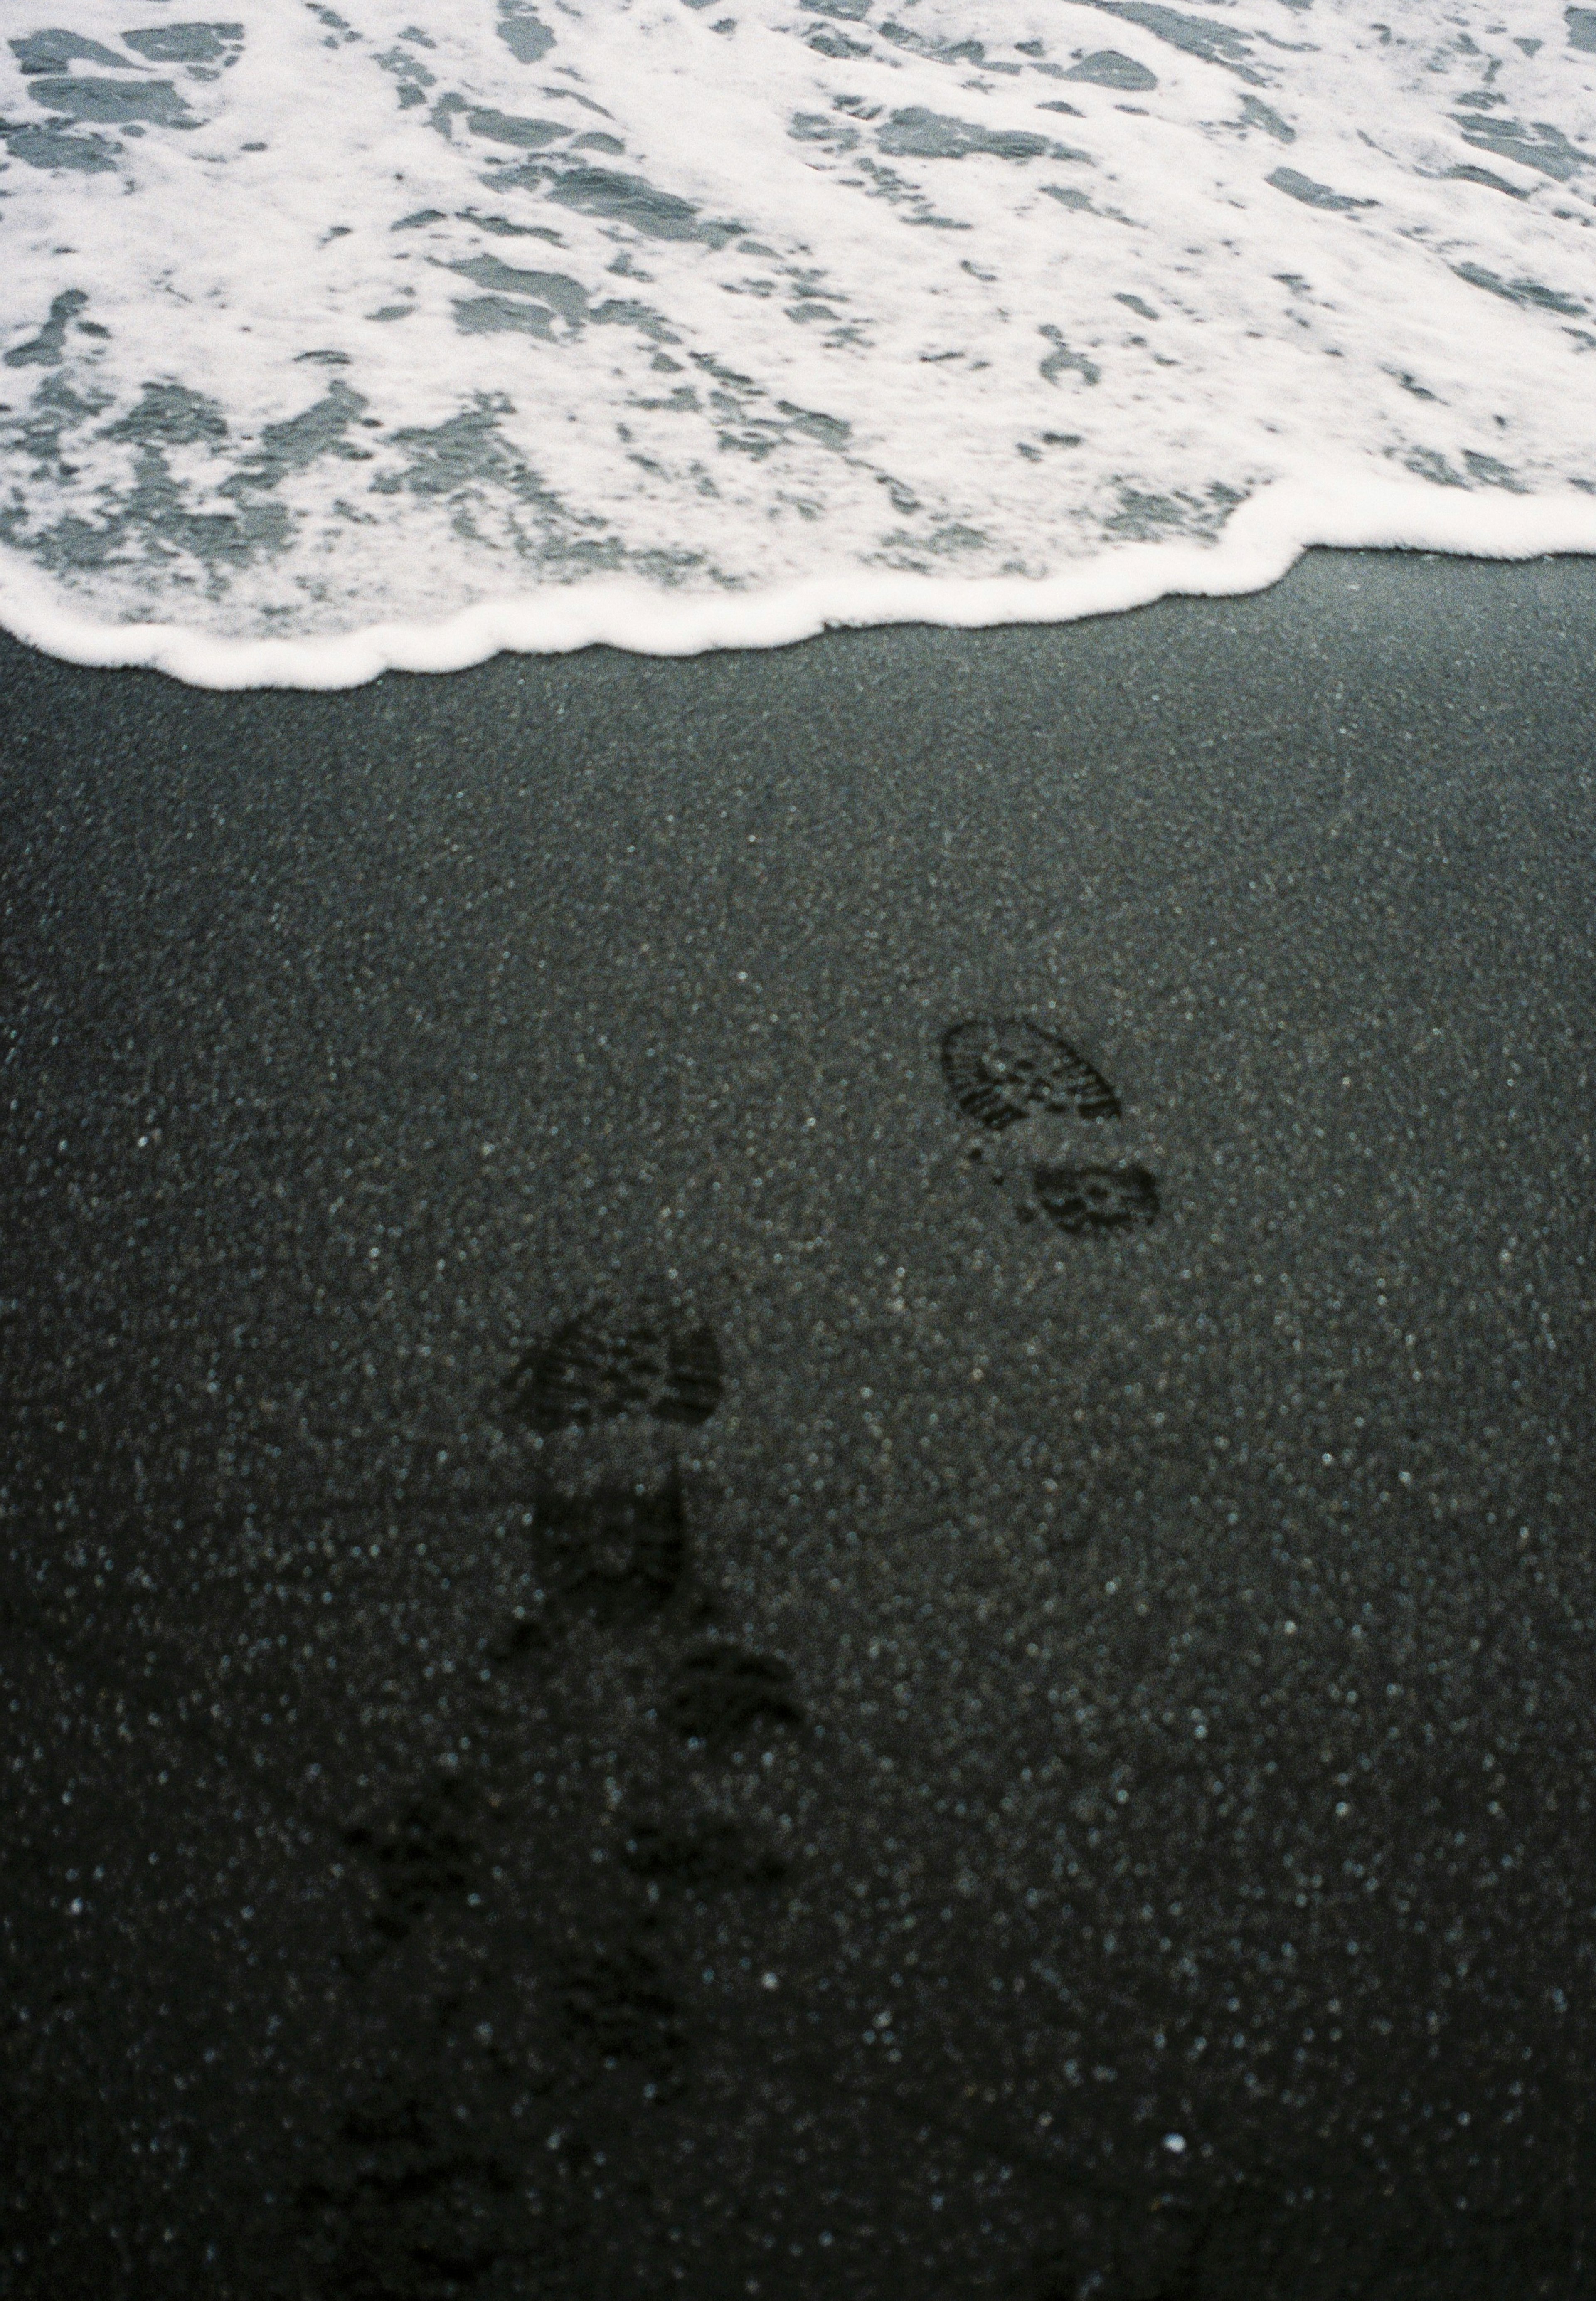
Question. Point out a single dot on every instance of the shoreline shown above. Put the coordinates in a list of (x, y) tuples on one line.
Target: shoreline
[(1264, 539)]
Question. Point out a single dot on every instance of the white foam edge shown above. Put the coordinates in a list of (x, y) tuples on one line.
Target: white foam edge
[(1261, 542)]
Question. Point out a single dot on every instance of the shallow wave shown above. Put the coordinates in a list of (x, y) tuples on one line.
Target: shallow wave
[(338, 340)]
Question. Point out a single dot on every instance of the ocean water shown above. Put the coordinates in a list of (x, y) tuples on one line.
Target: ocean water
[(398, 332)]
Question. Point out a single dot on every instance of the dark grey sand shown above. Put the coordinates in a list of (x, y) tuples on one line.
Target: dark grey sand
[(1036, 1759)]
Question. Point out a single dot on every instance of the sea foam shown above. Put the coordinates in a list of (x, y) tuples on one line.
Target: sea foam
[(396, 335)]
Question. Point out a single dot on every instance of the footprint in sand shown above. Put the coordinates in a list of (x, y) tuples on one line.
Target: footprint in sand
[(618, 1554), (621, 1552), (610, 1528), (616, 2004), (998, 1072), (1002, 1070), (604, 1364), (1097, 1198), (704, 1854), (399, 2201), (609, 1518), (430, 1850), (722, 1690)]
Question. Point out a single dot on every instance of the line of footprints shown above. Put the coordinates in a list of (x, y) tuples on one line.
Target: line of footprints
[(399, 2190), (619, 1555)]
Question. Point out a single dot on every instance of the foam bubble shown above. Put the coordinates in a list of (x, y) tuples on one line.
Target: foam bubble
[(335, 340)]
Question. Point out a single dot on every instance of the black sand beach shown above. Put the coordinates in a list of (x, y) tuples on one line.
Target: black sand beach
[(668, 1632)]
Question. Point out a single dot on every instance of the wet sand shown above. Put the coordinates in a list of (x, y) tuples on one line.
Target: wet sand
[(798, 1487)]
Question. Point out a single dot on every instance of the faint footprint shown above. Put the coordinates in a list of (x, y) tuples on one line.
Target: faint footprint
[(421, 1855), (619, 2005), (705, 1854), (720, 1689), (604, 1364), (403, 2208), (618, 1554)]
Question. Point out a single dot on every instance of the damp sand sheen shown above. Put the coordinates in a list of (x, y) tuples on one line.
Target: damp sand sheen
[(392, 336)]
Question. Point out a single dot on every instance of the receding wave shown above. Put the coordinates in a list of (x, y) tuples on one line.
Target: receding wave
[(394, 335)]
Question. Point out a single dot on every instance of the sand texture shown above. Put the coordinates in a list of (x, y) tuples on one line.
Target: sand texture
[(798, 1473)]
